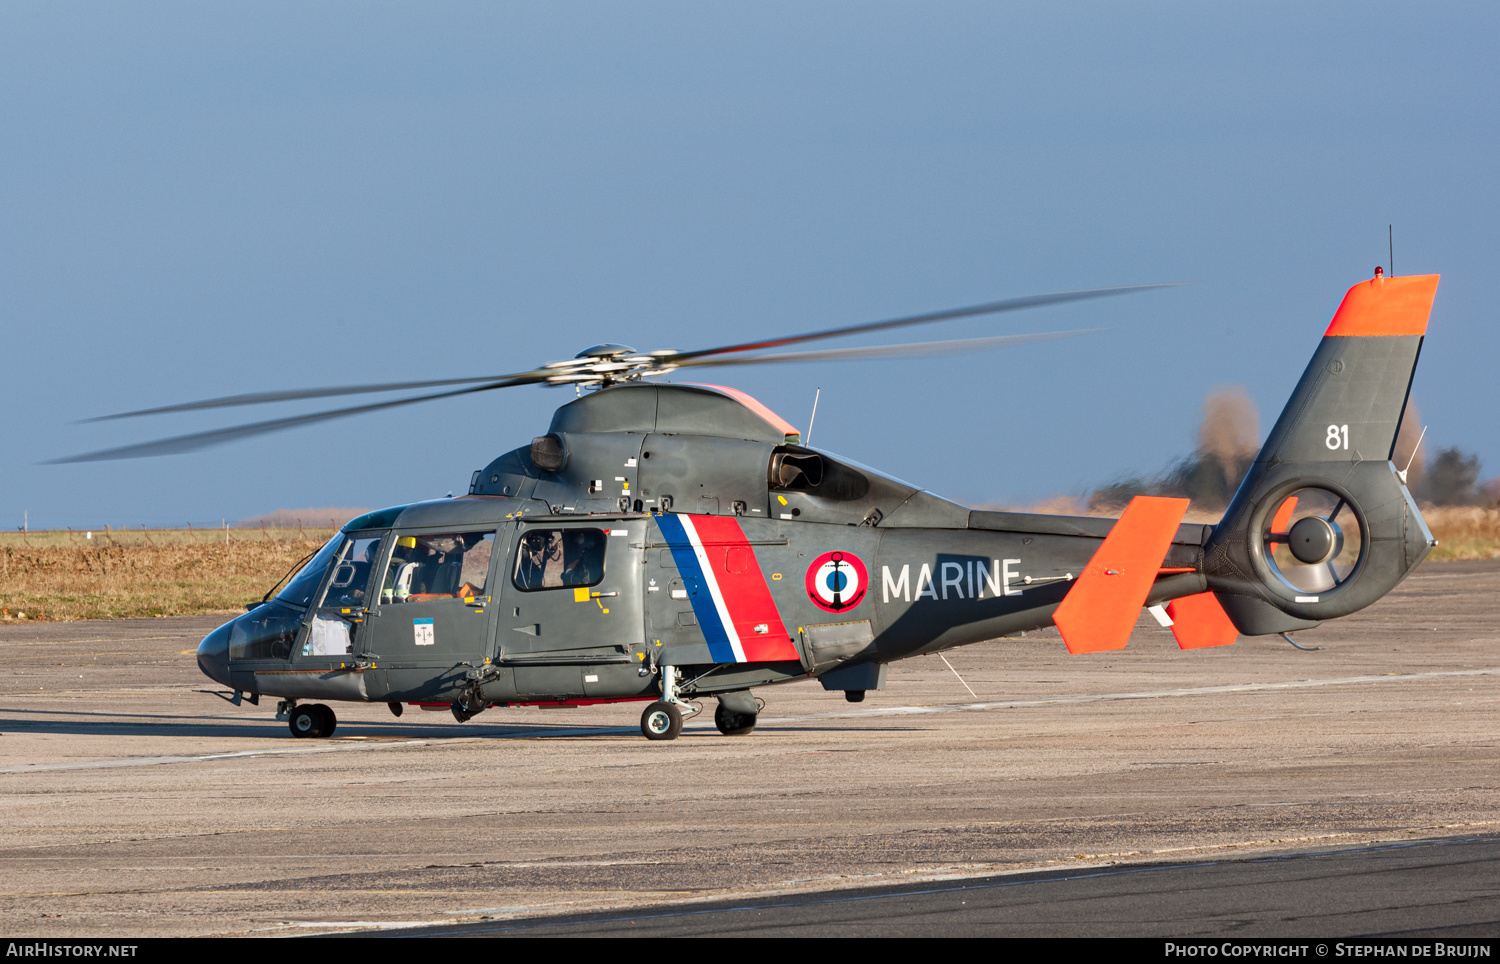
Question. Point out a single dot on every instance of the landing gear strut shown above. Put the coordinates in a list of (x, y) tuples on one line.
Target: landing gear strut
[(663, 719)]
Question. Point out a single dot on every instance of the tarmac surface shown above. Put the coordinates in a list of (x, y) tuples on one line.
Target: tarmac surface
[(1422, 890), (134, 803)]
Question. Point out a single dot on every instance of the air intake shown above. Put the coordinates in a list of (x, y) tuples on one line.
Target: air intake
[(549, 453)]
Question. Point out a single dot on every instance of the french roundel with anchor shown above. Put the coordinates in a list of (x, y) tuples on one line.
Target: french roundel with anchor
[(836, 581)]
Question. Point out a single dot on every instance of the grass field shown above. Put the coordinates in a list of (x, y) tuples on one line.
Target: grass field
[(1464, 532), (160, 572), (174, 572), (83, 539)]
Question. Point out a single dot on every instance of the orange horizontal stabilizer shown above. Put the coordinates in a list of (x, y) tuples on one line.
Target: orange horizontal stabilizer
[(1386, 306), (1199, 622), (1101, 609)]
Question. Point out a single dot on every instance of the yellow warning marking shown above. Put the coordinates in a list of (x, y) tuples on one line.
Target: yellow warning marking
[(580, 595), (781, 499)]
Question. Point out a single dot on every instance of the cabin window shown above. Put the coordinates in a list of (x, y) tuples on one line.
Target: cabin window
[(559, 558), (427, 567)]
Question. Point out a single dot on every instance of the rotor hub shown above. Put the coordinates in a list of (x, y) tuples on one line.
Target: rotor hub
[(1313, 540), (605, 351)]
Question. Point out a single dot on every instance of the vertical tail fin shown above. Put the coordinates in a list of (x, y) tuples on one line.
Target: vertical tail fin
[(1348, 405), (1322, 525)]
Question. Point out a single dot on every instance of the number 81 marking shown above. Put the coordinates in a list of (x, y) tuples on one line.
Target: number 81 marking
[(1338, 437)]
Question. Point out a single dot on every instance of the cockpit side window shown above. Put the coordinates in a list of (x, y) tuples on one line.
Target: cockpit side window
[(351, 573), (559, 558), (427, 567)]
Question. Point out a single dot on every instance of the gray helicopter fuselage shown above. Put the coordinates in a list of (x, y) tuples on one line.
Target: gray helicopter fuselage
[(658, 526), (679, 540)]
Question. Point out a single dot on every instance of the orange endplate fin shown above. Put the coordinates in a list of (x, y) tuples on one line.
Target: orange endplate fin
[(1199, 622), (1100, 610)]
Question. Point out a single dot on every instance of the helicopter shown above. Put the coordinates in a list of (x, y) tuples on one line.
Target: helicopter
[(665, 542)]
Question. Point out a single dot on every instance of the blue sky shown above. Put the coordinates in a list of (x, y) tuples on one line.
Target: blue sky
[(199, 199)]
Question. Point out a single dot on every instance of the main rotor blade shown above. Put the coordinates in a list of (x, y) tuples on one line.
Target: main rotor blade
[(988, 308), (179, 444), (994, 307), (259, 398), (921, 349)]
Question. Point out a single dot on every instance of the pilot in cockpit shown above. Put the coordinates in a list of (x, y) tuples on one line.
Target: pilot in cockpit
[(541, 562), (583, 558)]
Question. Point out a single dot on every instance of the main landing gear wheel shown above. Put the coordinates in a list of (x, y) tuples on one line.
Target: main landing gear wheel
[(311, 721), (661, 721), (731, 723)]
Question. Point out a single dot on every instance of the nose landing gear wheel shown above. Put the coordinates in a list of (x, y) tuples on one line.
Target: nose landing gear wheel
[(312, 721), (661, 721), (305, 722), (731, 723)]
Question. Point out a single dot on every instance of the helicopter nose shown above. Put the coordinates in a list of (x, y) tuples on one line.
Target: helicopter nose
[(213, 655)]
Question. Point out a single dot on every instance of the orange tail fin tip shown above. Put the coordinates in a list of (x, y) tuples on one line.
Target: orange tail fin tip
[(1386, 306)]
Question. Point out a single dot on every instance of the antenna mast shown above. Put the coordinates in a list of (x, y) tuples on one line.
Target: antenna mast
[(807, 439)]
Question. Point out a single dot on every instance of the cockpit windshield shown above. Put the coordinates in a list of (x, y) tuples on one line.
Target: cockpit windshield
[(299, 591)]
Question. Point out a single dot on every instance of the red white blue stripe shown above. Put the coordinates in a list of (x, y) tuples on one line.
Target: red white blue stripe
[(729, 593)]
